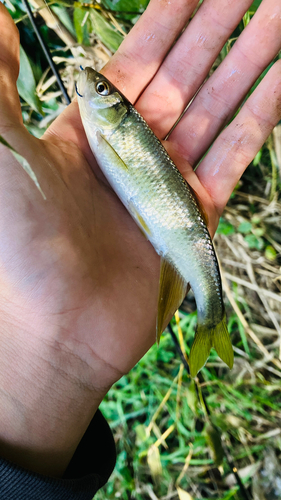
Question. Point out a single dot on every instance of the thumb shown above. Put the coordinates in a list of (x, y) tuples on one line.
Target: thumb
[(10, 110)]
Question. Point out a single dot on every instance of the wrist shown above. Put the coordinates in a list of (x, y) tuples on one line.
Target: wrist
[(46, 400)]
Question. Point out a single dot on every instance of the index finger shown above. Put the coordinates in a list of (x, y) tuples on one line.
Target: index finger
[(143, 50)]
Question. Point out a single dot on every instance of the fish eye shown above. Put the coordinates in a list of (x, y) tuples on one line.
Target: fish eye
[(102, 88)]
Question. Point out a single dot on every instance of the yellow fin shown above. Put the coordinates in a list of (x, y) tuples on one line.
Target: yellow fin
[(222, 343), (172, 290), (139, 220), (204, 340), (200, 350), (112, 153)]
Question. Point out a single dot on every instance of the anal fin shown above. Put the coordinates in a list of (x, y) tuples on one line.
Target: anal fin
[(172, 290)]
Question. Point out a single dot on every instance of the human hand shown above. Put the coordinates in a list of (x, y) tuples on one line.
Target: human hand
[(79, 283)]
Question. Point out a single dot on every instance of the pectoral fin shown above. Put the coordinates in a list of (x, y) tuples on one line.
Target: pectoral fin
[(172, 290), (111, 153)]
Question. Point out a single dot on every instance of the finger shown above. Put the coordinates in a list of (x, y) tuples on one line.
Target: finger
[(189, 62), (135, 62), (221, 95), (238, 144), (144, 49), (9, 67)]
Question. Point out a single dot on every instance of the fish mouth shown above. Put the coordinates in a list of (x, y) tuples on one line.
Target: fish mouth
[(76, 88), (87, 75), (81, 83)]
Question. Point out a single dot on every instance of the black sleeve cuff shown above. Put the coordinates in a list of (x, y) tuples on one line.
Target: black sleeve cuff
[(89, 469)]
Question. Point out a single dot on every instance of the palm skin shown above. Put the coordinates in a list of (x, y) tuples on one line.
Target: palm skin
[(79, 282)]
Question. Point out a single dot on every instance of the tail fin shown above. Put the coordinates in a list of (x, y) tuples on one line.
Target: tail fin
[(204, 340), (222, 343)]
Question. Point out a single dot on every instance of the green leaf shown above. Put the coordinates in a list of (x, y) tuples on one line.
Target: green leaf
[(26, 83), (254, 242), (24, 163), (192, 399), (255, 5), (107, 34), (35, 131), (255, 219), (64, 17), (245, 227), (246, 19), (81, 25), (258, 231), (243, 337), (213, 439), (257, 158), (127, 5), (270, 253), (225, 227)]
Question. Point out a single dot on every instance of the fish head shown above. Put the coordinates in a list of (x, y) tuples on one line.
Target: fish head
[(100, 103)]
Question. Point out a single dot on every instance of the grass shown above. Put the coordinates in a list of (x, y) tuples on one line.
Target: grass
[(172, 443), (245, 406)]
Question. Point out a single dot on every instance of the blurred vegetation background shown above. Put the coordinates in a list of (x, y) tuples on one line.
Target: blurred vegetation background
[(171, 445)]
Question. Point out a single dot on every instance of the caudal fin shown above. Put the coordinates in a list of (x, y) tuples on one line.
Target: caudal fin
[(222, 343), (204, 340)]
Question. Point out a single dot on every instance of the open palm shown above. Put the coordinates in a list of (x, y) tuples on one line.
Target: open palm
[(76, 266)]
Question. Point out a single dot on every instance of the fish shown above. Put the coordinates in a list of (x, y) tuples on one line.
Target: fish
[(165, 208)]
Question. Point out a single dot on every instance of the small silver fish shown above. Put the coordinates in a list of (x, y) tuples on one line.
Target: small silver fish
[(165, 208)]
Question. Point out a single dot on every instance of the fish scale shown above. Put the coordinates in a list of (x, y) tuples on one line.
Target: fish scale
[(164, 198), (152, 189)]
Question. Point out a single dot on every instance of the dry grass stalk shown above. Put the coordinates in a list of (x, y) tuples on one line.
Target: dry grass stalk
[(247, 284), (53, 22), (245, 324)]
